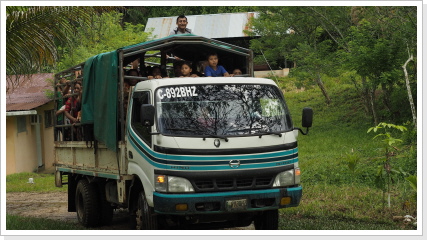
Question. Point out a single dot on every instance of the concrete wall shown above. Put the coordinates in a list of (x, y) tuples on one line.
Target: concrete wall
[(280, 73), (10, 145), (21, 148), (21, 151), (47, 139)]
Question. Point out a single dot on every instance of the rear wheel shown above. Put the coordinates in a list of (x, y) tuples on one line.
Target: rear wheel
[(268, 220), (87, 204)]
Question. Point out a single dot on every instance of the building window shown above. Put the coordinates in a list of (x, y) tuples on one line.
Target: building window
[(22, 123), (35, 119), (48, 118)]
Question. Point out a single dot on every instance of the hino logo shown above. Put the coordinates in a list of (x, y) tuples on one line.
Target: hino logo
[(217, 142), (234, 163)]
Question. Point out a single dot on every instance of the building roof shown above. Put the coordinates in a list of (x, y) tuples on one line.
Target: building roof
[(29, 93), (224, 25)]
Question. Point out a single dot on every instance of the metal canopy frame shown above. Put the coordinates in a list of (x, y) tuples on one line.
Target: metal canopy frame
[(162, 46)]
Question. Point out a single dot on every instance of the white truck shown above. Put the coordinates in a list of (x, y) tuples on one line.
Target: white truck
[(198, 153)]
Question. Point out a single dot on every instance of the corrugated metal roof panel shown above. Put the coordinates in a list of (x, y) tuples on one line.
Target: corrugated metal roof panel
[(24, 106), (225, 25), (29, 92)]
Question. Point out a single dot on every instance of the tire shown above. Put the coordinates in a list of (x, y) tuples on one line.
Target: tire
[(87, 204), (268, 220), (142, 217), (243, 223)]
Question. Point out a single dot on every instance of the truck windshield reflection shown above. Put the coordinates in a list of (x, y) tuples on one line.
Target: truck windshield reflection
[(221, 110)]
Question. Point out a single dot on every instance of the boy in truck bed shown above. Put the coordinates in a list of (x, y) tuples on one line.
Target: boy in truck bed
[(213, 69)]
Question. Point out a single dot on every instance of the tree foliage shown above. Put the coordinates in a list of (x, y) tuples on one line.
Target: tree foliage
[(104, 33), (373, 41), (378, 40), (33, 34), (309, 36), (141, 14)]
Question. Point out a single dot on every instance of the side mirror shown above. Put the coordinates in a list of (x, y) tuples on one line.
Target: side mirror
[(307, 117), (147, 114)]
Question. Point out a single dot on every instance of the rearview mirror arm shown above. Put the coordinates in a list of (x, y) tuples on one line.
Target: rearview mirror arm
[(306, 132)]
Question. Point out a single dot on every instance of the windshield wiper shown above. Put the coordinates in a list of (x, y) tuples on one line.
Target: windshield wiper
[(257, 133), (182, 129), (215, 136), (244, 130), (204, 135), (269, 133)]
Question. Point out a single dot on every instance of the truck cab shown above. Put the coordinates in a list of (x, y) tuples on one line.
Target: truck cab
[(191, 152)]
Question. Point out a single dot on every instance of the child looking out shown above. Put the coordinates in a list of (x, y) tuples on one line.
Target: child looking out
[(213, 69), (156, 73), (186, 70)]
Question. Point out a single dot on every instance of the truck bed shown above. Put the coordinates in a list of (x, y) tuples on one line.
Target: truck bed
[(78, 157)]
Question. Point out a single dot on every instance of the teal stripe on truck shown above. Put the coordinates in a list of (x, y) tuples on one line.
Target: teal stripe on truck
[(198, 163), (89, 173)]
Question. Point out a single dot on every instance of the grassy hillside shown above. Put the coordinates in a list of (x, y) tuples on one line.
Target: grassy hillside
[(336, 196)]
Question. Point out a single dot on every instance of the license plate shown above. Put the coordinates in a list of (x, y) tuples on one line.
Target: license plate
[(235, 205)]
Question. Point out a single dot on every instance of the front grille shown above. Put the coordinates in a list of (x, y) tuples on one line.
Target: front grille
[(224, 184), (263, 181), (243, 183), (203, 185)]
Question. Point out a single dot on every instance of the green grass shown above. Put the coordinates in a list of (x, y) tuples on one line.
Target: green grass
[(300, 222), (42, 183), (31, 223), (345, 207)]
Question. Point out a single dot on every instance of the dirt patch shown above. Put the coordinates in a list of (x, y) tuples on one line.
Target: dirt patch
[(43, 205), (54, 206)]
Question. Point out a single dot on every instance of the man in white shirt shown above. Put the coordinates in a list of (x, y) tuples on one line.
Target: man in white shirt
[(181, 28)]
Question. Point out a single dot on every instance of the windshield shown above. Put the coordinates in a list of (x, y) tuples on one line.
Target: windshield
[(221, 110)]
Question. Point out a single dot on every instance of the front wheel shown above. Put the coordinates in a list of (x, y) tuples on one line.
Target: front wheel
[(143, 216), (268, 220)]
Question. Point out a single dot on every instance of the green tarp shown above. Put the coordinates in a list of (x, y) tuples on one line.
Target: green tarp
[(99, 97)]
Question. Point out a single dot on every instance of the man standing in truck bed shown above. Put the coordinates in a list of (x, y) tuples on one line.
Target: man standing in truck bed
[(181, 23)]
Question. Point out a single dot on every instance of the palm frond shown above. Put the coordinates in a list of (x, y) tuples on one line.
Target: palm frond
[(32, 34)]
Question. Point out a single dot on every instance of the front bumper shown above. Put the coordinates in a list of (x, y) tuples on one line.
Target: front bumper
[(227, 202)]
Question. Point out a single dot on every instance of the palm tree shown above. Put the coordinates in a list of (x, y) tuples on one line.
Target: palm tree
[(33, 34)]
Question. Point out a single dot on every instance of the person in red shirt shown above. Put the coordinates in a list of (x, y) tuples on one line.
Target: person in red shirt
[(72, 104), (72, 110)]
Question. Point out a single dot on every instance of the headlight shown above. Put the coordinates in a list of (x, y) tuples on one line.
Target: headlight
[(164, 183), (287, 178)]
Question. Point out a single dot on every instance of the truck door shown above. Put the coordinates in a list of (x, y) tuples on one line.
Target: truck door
[(137, 126)]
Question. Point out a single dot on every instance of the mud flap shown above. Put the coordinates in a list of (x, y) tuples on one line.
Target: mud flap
[(71, 194), (58, 179)]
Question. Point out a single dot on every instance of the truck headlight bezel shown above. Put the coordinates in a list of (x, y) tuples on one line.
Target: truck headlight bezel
[(287, 178), (172, 184)]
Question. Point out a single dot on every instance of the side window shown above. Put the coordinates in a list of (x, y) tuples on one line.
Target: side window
[(21, 123), (48, 118), (143, 132)]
